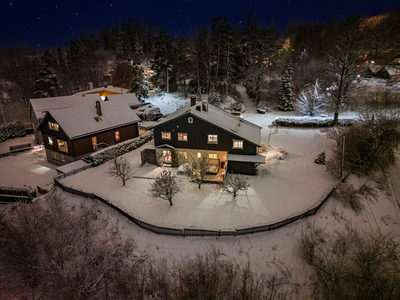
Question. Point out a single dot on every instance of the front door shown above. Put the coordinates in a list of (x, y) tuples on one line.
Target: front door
[(167, 156)]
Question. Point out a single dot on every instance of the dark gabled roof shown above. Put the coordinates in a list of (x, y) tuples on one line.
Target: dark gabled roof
[(220, 118)]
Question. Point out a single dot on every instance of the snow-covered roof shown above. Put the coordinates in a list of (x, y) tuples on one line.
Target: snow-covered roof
[(393, 71), (101, 90), (41, 105), (129, 98), (375, 68), (246, 158), (220, 118), (79, 120), (147, 124)]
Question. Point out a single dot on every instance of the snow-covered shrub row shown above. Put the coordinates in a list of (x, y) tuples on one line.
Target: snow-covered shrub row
[(13, 130), (106, 154), (310, 122)]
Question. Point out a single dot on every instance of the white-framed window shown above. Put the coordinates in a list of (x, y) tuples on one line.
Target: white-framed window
[(166, 135), (183, 154), (212, 139), (54, 126), (62, 145), (117, 136), (190, 120), (50, 140), (182, 137), (238, 144), (212, 155), (198, 154), (167, 156)]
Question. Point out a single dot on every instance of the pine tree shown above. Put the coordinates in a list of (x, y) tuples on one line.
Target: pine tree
[(286, 88), (162, 62), (139, 85), (46, 84)]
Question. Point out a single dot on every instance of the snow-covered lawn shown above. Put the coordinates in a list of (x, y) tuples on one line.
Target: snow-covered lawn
[(282, 189), (27, 169)]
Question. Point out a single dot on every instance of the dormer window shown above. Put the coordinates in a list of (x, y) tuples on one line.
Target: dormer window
[(54, 126)]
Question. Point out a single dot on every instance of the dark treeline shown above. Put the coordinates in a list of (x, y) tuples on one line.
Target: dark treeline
[(216, 57)]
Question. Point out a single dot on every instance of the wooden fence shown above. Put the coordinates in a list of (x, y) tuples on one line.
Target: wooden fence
[(199, 232)]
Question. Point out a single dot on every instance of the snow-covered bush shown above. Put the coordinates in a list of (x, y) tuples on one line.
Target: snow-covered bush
[(238, 107), (108, 153), (310, 103), (13, 130), (159, 91), (310, 122), (263, 105), (214, 98)]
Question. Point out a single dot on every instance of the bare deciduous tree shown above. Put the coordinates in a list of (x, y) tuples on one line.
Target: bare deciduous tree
[(370, 143), (352, 265), (120, 168), (165, 186), (234, 183), (197, 168), (343, 59)]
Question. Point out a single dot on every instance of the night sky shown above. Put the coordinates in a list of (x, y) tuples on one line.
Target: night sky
[(47, 23)]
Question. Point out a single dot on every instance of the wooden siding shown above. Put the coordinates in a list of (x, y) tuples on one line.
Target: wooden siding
[(198, 136), (238, 167), (82, 146)]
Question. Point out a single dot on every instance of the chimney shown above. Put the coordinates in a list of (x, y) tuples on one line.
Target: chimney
[(193, 101), (204, 106), (98, 108), (90, 85)]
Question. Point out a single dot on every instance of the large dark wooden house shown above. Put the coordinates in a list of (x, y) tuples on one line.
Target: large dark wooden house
[(74, 131), (201, 129)]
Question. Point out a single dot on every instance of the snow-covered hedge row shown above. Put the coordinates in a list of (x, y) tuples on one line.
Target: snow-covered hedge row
[(13, 130), (310, 122), (106, 154)]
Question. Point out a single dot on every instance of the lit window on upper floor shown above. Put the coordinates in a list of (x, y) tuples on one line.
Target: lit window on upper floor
[(54, 126), (166, 135), (212, 139)]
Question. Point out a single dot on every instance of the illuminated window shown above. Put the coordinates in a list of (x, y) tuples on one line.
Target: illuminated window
[(62, 146), (212, 139), (54, 126), (238, 144), (94, 143), (198, 154), (183, 154), (166, 135), (117, 137), (182, 137), (167, 156), (212, 155), (50, 140)]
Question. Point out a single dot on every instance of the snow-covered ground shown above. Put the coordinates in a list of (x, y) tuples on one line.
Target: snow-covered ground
[(284, 188), (296, 174), (27, 169)]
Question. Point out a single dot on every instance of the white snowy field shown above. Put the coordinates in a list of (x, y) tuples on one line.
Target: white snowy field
[(27, 169), (270, 251), (282, 189)]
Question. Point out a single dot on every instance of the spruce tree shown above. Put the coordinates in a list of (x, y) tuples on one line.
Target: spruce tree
[(286, 88), (139, 85), (46, 84)]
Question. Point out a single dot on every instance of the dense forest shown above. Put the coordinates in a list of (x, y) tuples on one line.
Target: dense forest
[(217, 57)]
